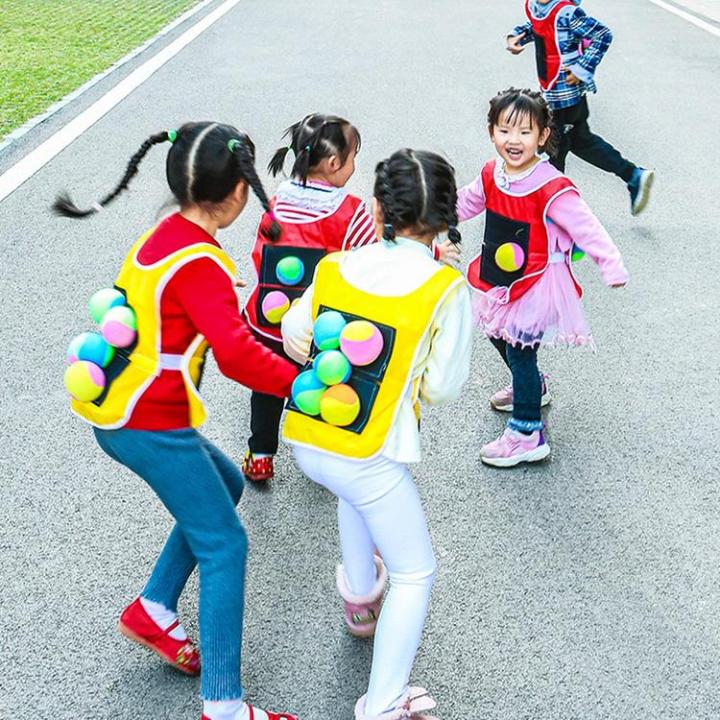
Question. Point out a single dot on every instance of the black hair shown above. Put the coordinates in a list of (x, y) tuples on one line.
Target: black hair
[(313, 139), (416, 190), (204, 164), (524, 104)]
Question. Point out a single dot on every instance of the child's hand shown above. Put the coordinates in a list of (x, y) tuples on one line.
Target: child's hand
[(449, 253), (571, 78), (513, 43)]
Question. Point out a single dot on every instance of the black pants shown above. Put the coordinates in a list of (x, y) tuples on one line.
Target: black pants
[(575, 136), (265, 413), (526, 381)]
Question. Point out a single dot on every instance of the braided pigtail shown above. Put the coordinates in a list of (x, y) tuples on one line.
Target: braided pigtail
[(241, 149), (64, 205), (384, 195)]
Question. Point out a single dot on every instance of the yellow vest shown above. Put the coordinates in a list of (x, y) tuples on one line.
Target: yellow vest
[(411, 317), (131, 373)]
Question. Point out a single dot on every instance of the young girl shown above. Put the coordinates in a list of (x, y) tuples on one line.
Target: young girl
[(419, 316), (180, 283), (526, 294), (317, 215)]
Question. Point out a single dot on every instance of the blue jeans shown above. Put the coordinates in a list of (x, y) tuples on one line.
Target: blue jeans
[(200, 487), (526, 380)]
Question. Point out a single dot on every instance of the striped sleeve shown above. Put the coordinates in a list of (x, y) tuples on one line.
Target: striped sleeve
[(361, 230)]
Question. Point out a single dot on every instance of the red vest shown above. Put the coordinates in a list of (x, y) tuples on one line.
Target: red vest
[(310, 242), (547, 45), (515, 251)]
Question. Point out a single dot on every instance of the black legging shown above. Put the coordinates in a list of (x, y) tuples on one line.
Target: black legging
[(526, 380), (581, 141)]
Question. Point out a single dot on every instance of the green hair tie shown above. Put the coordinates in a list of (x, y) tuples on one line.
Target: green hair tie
[(172, 135), (234, 144)]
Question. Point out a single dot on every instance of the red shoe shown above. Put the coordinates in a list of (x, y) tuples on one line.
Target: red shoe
[(255, 715), (138, 626), (258, 469)]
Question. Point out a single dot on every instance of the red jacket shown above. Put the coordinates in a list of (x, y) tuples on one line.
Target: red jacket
[(200, 298)]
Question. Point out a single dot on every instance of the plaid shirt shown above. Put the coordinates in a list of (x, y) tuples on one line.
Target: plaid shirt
[(574, 27)]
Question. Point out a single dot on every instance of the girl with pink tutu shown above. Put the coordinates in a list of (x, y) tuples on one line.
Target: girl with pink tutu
[(525, 294)]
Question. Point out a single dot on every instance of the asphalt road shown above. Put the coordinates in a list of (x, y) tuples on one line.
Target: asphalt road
[(587, 587)]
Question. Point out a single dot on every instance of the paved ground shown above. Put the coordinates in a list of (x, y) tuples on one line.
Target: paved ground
[(584, 588)]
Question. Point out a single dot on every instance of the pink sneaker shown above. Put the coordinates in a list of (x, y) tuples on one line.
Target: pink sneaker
[(362, 611), (502, 400), (513, 448), (416, 701)]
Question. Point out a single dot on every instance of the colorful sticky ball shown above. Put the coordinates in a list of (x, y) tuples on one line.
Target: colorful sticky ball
[(340, 406), (274, 305), (332, 367), (510, 257), (327, 330), (119, 327), (91, 347), (307, 390), (577, 254), (362, 342), (290, 270), (85, 381), (102, 301)]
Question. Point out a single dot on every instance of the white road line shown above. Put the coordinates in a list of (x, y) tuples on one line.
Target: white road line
[(712, 29), (27, 126), (41, 156)]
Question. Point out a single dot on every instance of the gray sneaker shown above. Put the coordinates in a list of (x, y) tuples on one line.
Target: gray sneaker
[(639, 186)]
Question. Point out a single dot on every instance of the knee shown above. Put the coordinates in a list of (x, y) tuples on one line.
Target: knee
[(422, 576), (226, 547)]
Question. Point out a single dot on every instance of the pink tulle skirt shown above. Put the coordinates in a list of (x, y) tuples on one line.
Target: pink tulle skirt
[(549, 314)]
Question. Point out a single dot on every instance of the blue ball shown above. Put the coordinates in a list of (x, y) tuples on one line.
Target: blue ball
[(307, 391), (327, 330), (90, 347)]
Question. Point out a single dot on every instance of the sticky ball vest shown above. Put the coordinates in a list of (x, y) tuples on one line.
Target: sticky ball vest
[(307, 241), (547, 44), (515, 251), (133, 369), (381, 386)]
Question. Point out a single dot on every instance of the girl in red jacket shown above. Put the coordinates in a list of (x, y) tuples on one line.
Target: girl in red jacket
[(180, 283)]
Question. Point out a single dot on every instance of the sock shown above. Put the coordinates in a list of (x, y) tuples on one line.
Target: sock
[(260, 456), (164, 618), (229, 710)]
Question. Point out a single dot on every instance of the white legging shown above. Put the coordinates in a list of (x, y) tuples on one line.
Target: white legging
[(379, 506)]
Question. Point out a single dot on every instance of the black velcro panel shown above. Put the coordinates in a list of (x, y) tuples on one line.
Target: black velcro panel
[(498, 231)]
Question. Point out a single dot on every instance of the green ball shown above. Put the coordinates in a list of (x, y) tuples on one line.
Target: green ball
[(307, 391), (332, 367), (102, 301)]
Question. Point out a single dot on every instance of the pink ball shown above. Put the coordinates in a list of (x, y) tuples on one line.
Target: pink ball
[(119, 326), (361, 342)]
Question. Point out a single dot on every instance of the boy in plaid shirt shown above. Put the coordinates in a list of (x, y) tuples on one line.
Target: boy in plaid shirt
[(569, 46)]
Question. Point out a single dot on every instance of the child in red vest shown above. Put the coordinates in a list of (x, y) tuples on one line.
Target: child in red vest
[(181, 285), (569, 45), (318, 216), (526, 294)]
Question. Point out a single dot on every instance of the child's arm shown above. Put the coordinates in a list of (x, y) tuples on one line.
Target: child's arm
[(570, 212), (297, 328), (471, 200), (207, 295), (448, 362), (596, 39), (519, 37)]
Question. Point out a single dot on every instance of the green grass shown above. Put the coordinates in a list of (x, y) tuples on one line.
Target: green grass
[(48, 48)]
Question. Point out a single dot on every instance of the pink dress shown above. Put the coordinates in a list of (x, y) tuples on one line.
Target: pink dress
[(550, 313)]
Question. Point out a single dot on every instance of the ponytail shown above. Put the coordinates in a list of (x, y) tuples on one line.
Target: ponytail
[(64, 205), (240, 149), (277, 163)]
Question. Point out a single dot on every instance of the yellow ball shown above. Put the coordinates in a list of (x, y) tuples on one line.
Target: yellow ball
[(85, 381), (340, 406)]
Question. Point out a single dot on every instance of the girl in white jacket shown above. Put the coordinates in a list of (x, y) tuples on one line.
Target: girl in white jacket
[(356, 437)]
